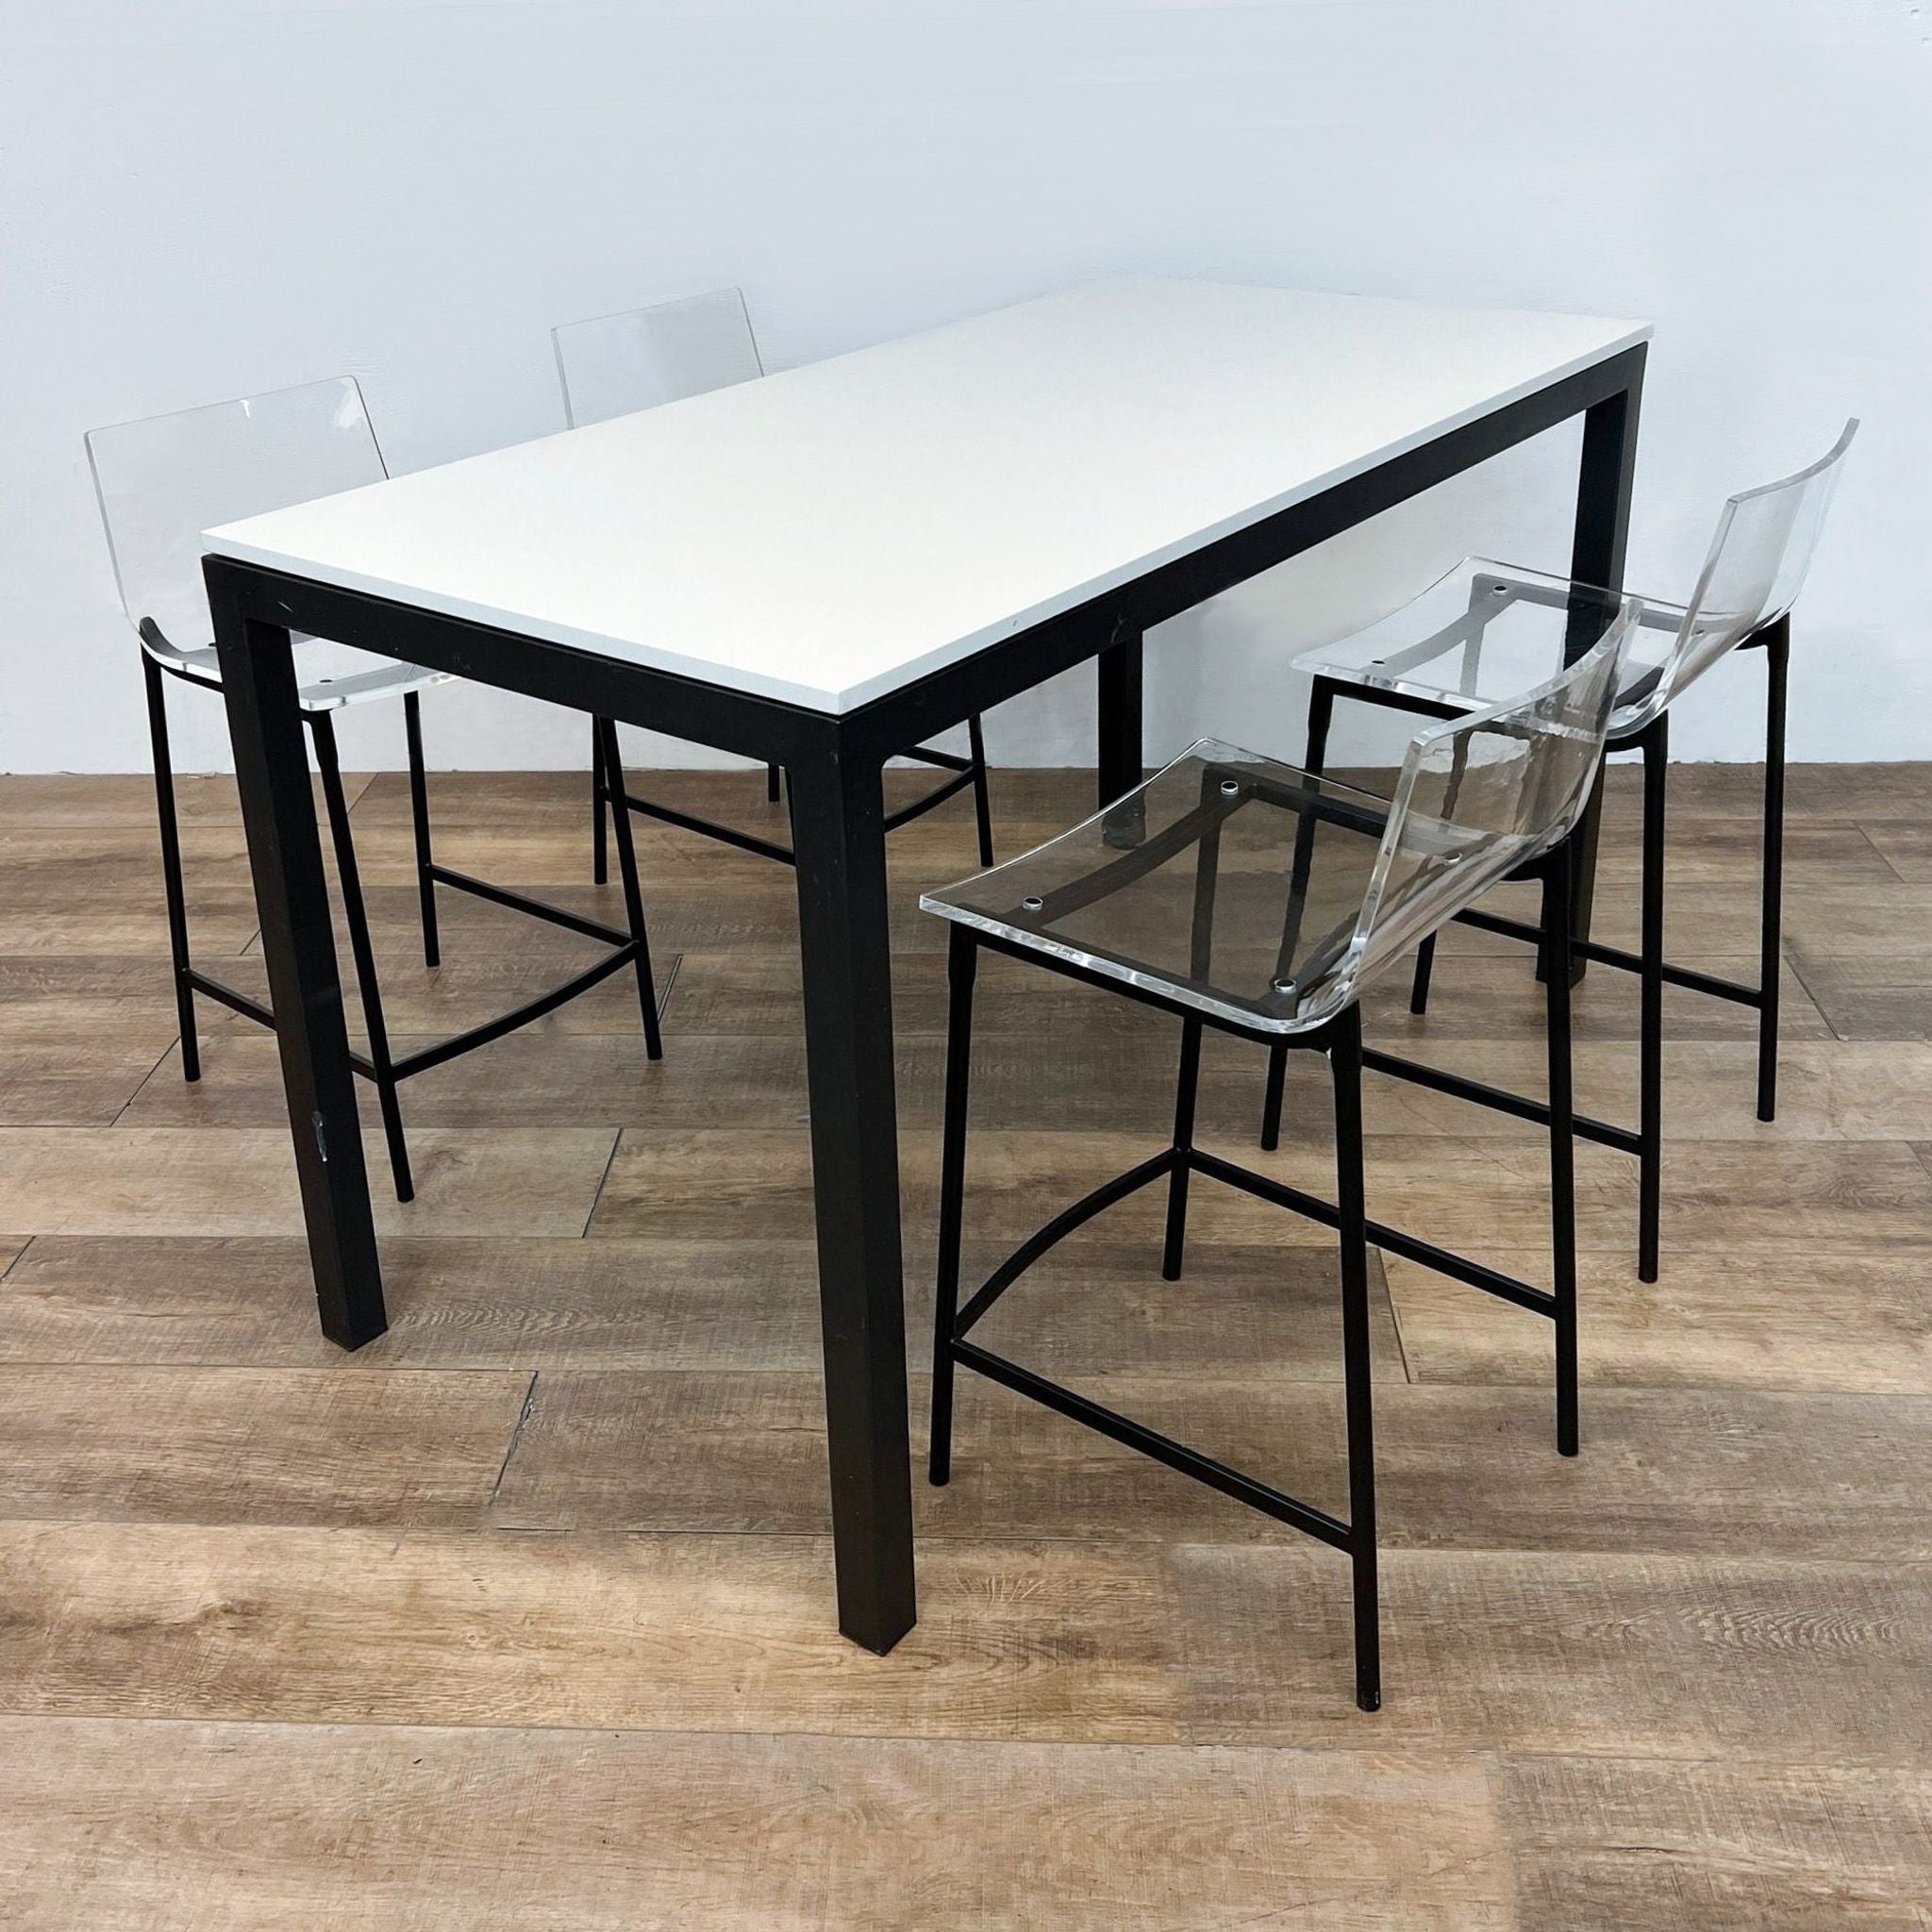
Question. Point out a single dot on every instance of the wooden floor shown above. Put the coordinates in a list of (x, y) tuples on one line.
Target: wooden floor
[(522, 1616)]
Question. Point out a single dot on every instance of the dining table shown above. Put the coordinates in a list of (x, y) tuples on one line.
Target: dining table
[(825, 567)]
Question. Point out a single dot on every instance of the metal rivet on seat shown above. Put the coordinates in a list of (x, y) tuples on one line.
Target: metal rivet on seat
[(1284, 984), (1032, 905), (1229, 787)]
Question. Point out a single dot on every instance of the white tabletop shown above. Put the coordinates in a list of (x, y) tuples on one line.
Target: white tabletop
[(831, 533)]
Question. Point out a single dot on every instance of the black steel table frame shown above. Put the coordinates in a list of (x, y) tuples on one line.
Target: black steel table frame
[(835, 765)]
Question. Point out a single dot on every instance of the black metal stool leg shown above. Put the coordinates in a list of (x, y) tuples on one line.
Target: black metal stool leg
[(1345, 1066), (1424, 968), (600, 848), (771, 784), (1777, 650), (1650, 1102), (1186, 1087), (1556, 938), (962, 961), (1271, 1095), (172, 885), (633, 897), (982, 802), (1187, 1081), (1320, 713), (1426, 953), (363, 953), (419, 811)]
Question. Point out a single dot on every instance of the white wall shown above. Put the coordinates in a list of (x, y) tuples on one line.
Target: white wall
[(199, 197)]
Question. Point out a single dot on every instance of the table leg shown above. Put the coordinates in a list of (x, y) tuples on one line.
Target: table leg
[(838, 811), (305, 985), (1596, 556), (1121, 768), (1121, 754)]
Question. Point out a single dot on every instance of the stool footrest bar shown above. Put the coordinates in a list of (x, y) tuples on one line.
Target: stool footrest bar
[(946, 760), (1505, 1287), (623, 952), (1164, 1449), (1600, 954), (710, 829), (1499, 1099), (1683, 977), (769, 848), (1509, 929), (938, 795), (1057, 1230), (238, 1002), (460, 1043), (535, 908)]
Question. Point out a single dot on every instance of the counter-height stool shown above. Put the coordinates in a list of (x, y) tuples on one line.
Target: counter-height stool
[(619, 365), (161, 482), (1487, 629), (1260, 901)]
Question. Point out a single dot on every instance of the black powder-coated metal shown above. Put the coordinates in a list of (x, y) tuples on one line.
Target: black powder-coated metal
[(1118, 673), (1314, 762), (356, 915), (1186, 1085), (838, 813), (1777, 654), (963, 962), (599, 795), (237, 1001), (640, 943), (1352, 1237), (982, 795), (1176, 1456), (709, 829), (1731, 990), (1558, 881), (1425, 968), (584, 926), (172, 883), (1655, 745), (1605, 472), (970, 771), (1500, 1099), (419, 813), (298, 945), (443, 1051), (1063, 1223), (834, 763), (1409, 1247)]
